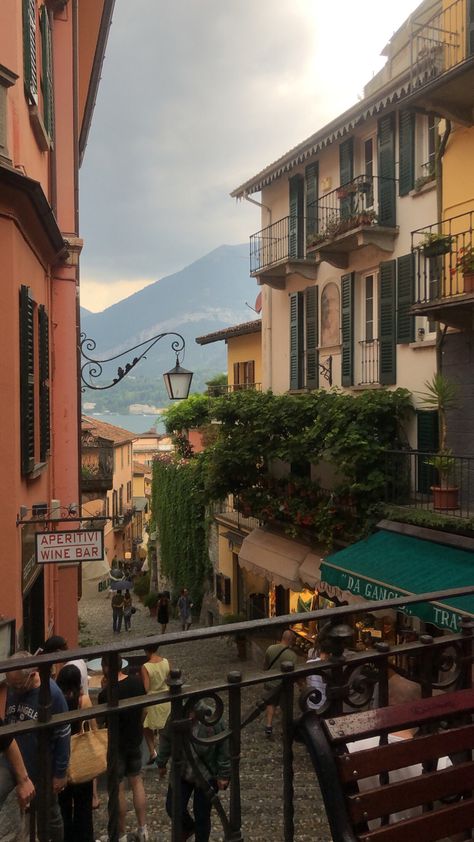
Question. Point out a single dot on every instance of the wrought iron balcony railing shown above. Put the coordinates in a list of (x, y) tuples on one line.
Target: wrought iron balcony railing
[(97, 466), (444, 255), (355, 677), (228, 389), (282, 241), (434, 482), (365, 201), (439, 43), (369, 362)]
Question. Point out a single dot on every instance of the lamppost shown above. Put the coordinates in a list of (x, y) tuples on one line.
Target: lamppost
[(177, 380)]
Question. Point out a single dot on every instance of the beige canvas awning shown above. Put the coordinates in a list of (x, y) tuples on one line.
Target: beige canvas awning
[(310, 569), (272, 556)]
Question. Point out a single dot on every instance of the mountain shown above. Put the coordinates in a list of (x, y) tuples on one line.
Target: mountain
[(205, 296)]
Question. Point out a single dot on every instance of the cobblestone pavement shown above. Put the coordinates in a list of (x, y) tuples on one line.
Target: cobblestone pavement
[(261, 769)]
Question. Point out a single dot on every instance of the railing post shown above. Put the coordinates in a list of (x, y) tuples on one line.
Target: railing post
[(175, 683), (235, 812), (113, 728), (43, 785), (286, 703)]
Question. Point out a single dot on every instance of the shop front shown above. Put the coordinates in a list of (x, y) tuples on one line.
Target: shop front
[(392, 564)]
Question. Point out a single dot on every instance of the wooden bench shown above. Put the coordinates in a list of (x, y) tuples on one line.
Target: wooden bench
[(439, 801)]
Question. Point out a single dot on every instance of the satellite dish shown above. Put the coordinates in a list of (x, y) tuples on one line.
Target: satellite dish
[(258, 303)]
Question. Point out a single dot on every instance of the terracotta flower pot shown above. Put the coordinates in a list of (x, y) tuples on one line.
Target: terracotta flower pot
[(445, 498), (468, 281)]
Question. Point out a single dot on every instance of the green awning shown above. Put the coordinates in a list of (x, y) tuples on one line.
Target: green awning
[(388, 565)]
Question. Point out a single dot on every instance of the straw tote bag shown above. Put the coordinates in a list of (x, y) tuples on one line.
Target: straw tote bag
[(88, 754)]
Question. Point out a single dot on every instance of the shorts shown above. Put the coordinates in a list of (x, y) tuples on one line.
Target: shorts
[(272, 693), (129, 762)]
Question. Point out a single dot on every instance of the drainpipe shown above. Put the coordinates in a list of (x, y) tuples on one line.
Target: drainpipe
[(440, 333), (267, 313)]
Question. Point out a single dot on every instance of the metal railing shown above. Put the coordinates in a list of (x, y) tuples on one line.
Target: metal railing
[(231, 510), (355, 677), (369, 361), (281, 241), (353, 205), (228, 389), (444, 259), (439, 43), (435, 482)]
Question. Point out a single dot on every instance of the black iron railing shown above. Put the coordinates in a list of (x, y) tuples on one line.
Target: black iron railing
[(432, 481), (444, 258), (356, 204), (228, 389), (283, 240), (369, 362), (352, 675), (439, 43), (231, 510)]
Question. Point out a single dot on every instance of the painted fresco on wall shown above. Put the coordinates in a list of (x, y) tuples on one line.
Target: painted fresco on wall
[(330, 319)]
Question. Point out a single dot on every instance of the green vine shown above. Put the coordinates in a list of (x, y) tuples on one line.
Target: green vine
[(179, 510)]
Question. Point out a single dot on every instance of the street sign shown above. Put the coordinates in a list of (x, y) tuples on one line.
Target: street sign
[(71, 546)]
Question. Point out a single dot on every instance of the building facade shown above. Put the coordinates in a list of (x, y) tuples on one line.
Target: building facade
[(50, 59)]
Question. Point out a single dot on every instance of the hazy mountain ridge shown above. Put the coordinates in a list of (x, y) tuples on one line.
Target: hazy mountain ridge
[(201, 298)]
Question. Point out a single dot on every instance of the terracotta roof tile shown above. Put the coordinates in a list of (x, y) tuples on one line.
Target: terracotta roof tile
[(107, 431)]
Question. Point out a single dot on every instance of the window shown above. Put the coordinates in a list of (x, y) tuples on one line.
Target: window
[(369, 308), (34, 382), (47, 72), (244, 373), (432, 136), (120, 503), (304, 339), (129, 491), (369, 170)]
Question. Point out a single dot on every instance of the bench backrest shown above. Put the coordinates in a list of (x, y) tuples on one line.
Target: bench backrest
[(391, 789)]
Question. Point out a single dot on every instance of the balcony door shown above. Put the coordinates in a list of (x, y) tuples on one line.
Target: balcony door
[(369, 344)]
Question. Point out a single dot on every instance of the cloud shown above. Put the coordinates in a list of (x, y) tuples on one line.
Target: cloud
[(198, 95), (97, 295)]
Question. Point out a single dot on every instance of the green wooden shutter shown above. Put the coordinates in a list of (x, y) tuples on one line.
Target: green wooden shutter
[(296, 339), (405, 298), (47, 72), (296, 220), (386, 167), (311, 179), (27, 381), (44, 407), (406, 142), (29, 51), (312, 337), (347, 308), (387, 345), (346, 173), (428, 441)]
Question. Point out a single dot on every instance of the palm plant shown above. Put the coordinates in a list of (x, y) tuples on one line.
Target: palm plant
[(441, 395)]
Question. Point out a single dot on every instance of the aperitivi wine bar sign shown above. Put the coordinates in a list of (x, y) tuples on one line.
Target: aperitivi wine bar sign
[(74, 545)]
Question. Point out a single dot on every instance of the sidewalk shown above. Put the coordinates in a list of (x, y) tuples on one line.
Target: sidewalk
[(261, 768)]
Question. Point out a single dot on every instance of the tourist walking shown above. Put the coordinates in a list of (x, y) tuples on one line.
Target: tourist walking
[(213, 763), (275, 654), (127, 610), (163, 613), (57, 643), (129, 750), (184, 609), (21, 706), (76, 800), (118, 603), (154, 674)]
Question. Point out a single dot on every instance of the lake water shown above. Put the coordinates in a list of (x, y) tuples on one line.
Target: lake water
[(133, 423)]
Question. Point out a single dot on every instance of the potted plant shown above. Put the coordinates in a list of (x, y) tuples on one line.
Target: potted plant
[(435, 245), (465, 264), (239, 637), (443, 396), (151, 602)]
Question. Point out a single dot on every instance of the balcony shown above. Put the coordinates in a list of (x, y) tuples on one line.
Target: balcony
[(369, 362), (97, 465), (228, 389), (442, 62), (279, 250), (357, 214), (442, 485), (120, 522), (444, 271)]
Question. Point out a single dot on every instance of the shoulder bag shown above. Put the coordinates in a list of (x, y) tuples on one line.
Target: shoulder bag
[(88, 754)]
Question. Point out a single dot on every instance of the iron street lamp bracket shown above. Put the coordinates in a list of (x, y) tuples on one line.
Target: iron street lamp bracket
[(92, 368)]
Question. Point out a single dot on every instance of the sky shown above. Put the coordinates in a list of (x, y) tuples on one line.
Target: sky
[(197, 96)]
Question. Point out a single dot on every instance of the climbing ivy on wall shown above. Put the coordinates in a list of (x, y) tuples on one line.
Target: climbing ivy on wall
[(178, 508)]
